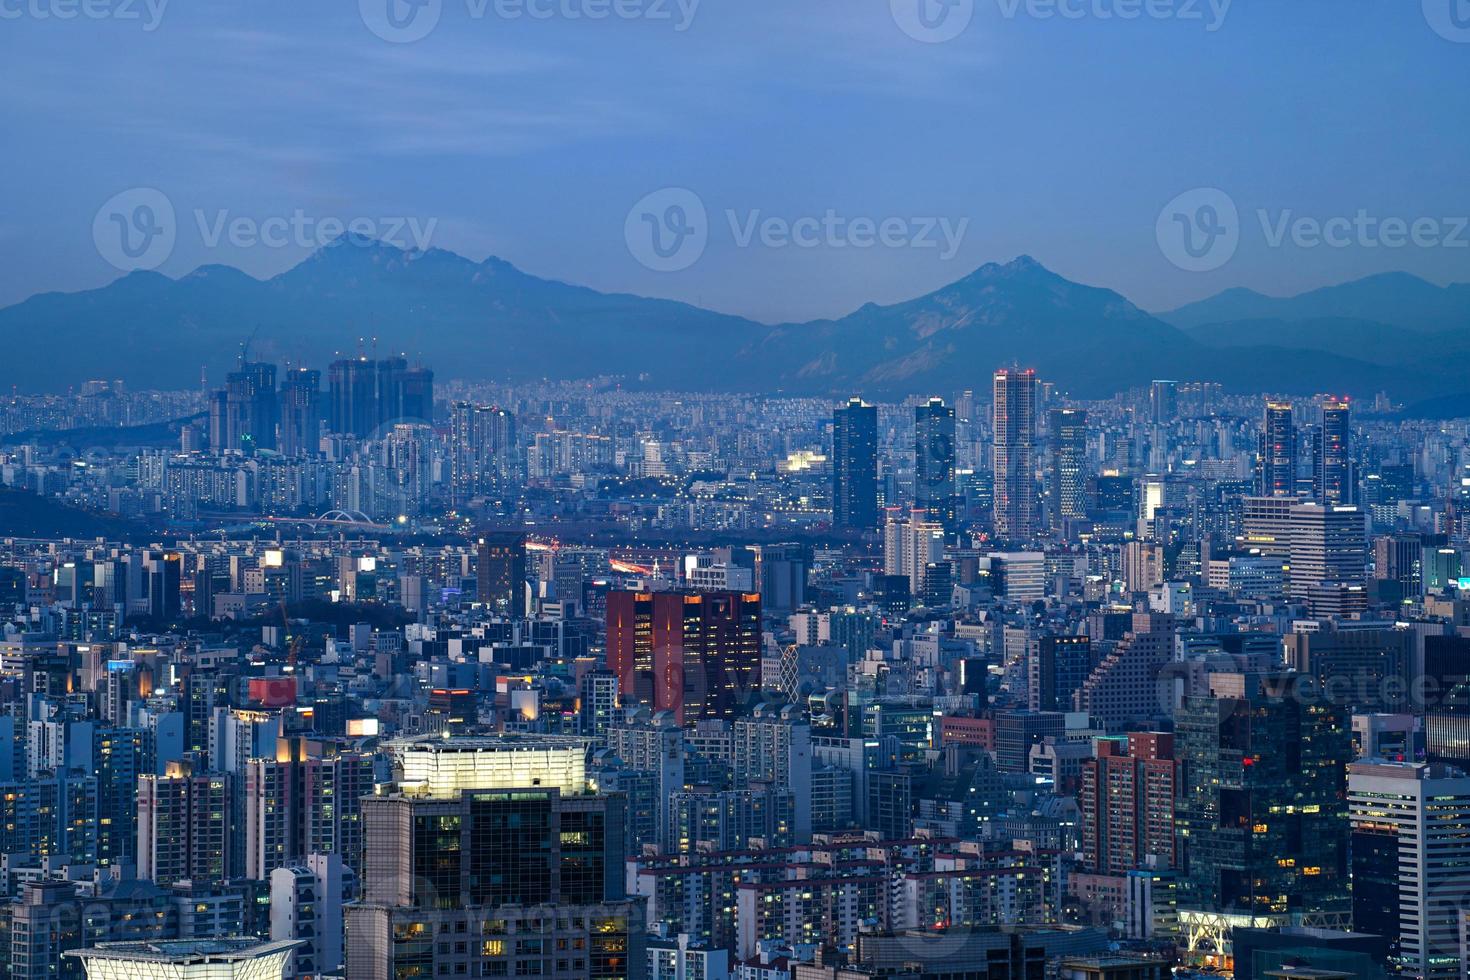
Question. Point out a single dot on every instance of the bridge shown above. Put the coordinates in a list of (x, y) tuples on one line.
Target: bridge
[(349, 519)]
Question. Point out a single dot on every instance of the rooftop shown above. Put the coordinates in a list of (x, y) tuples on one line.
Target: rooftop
[(186, 950)]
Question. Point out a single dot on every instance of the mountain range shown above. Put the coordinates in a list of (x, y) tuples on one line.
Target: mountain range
[(489, 319)]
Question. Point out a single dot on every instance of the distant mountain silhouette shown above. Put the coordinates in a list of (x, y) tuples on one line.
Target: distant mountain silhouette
[(1394, 298), (491, 320)]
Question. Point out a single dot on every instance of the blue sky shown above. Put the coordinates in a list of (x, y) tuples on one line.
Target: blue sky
[(530, 139)]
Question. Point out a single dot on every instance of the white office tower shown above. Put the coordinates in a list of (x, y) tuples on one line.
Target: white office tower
[(1411, 860)]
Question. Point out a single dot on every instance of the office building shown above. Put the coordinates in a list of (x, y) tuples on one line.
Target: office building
[(514, 880), (1276, 458), (500, 573), (696, 654), (855, 466), (1333, 478), (1411, 860), (1329, 544), (1263, 815), (1069, 466), (1013, 454), (1057, 666), (934, 461)]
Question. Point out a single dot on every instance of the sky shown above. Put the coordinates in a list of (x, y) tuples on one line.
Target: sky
[(779, 159)]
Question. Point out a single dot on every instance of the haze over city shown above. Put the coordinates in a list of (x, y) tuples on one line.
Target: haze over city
[(711, 490)]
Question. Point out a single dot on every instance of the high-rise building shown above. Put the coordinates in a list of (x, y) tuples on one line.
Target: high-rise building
[(483, 451), (492, 858), (1398, 558), (1366, 671), (1333, 479), (50, 920), (1057, 667), (934, 461), (1127, 803), (303, 800), (1276, 462), (500, 573), (243, 414), (911, 548), (1263, 811), (697, 654), (1013, 454), (855, 466), (1123, 689), (183, 826), (1447, 694), (301, 412), (1163, 402), (774, 746), (1411, 861), (366, 397), (1069, 469), (1329, 544), (162, 578)]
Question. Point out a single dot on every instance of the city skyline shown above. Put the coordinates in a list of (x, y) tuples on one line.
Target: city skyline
[(735, 490)]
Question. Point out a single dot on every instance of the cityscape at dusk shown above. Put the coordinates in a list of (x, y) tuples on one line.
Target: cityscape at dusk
[(698, 490)]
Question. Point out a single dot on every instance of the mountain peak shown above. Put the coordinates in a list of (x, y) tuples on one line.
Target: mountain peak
[(1397, 298)]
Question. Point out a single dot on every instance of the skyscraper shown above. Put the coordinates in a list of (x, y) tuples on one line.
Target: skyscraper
[(301, 412), (1163, 398), (501, 572), (1069, 471), (855, 466), (1329, 544), (1014, 454), (911, 547), (697, 654), (483, 452), (934, 458), (243, 414), (1276, 465), (1411, 860), (1263, 812), (1332, 466), (1057, 666), (490, 857), (366, 396)]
